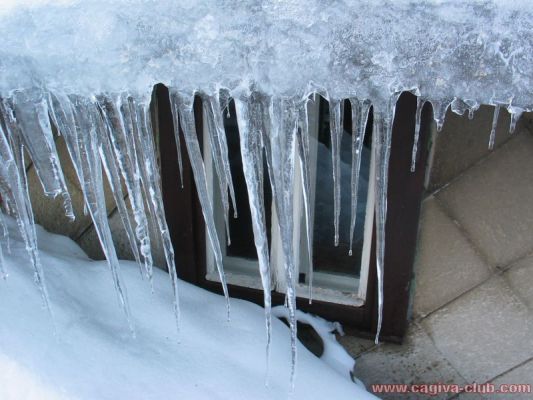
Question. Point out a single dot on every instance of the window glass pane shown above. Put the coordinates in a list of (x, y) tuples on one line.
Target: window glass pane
[(327, 257)]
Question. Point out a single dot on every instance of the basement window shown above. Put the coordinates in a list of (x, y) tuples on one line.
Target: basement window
[(338, 276), (344, 286)]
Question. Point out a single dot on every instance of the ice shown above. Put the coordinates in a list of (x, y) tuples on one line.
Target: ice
[(492, 137), (360, 111), (249, 117), (219, 151), (14, 191), (280, 139), (303, 154), (124, 154), (91, 68), (418, 117), (31, 110), (182, 105)]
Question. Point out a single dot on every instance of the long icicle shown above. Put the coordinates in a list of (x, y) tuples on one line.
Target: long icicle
[(382, 136), (336, 130), (123, 149), (248, 119), (151, 179), (418, 118), (360, 111), (282, 136), (303, 154), (14, 181), (31, 109), (183, 107), (492, 138), (218, 119), (84, 137), (111, 169), (215, 129)]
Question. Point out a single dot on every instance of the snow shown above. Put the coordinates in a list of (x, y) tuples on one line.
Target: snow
[(93, 355)]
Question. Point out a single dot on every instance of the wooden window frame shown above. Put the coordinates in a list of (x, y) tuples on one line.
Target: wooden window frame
[(187, 229)]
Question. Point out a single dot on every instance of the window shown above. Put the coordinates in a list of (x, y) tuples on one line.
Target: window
[(344, 285), (338, 276)]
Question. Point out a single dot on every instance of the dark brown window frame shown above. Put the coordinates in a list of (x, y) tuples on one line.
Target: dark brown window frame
[(187, 229)]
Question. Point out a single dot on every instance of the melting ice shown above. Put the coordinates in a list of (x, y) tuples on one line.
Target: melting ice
[(86, 69)]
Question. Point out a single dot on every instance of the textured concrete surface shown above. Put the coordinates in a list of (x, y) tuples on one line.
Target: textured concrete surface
[(520, 278), (489, 201), (485, 332), (416, 361), (522, 374), (446, 271)]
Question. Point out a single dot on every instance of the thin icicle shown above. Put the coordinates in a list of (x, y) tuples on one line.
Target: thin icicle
[(360, 111), (14, 187), (439, 112), (176, 122), (145, 148), (124, 151), (183, 106), (336, 108), (249, 122), (303, 153), (418, 117), (215, 128), (492, 137), (382, 136), (113, 177), (83, 137), (32, 117), (3, 272), (515, 116), (281, 136)]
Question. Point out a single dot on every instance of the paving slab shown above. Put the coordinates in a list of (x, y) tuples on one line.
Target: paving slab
[(522, 375), (355, 345), (489, 202), (446, 264), (416, 361), (520, 278), (483, 333)]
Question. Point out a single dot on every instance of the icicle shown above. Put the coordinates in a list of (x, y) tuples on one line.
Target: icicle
[(83, 138), (249, 122), (124, 151), (303, 152), (492, 137), (336, 129), (14, 188), (418, 116), (360, 111), (3, 272), (111, 170), (176, 122), (31, 110), (183, 106), (145, 148), (516, 113), (281, 136), (217, 140), (382, 136), (439, 112)]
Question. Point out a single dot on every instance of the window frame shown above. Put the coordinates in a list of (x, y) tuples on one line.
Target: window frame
[(405, 191)]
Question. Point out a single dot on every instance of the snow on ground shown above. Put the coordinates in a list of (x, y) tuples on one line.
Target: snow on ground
[(94, 356)]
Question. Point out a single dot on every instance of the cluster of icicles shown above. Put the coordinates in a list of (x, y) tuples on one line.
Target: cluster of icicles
[(115, 131)]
